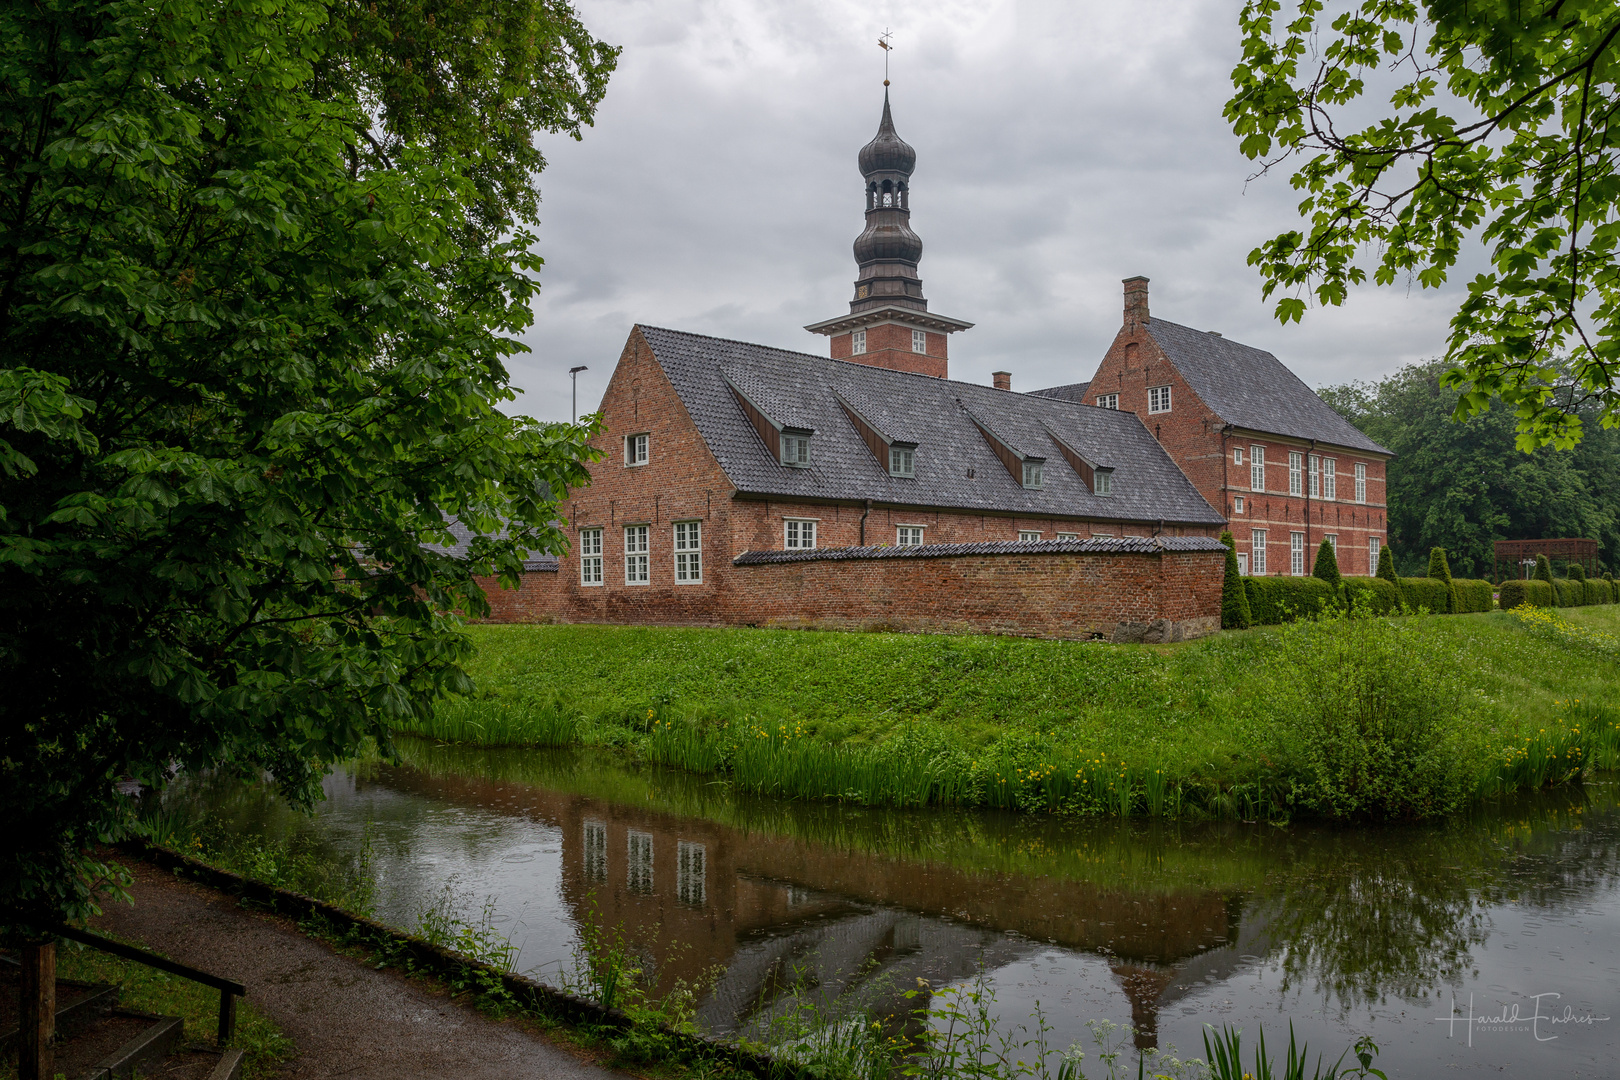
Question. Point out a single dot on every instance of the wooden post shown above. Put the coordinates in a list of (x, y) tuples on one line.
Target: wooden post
[(36, 1056), (227, 1017)]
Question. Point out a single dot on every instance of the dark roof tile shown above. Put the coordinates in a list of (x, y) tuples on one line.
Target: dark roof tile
[(1096, 545)]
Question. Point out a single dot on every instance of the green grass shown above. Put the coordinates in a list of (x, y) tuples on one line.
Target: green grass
[(149, 990), (898, 719)]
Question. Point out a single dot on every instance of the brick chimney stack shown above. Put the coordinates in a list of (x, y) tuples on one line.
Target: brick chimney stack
[(1002, 379), (1136, 299)]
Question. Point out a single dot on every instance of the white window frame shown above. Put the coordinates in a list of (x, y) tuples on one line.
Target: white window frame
[(1296, 554), (798, 534), (590, 557), (1108, 401), (902, 462), (1028, 536), (908, 536), (637, 554), (1102, 481), (688, 552), (1237, 504), (1243, 564), (638, 871), (1333, 542), (1361, 481), (1237, 455), (691, 873), (796, 451), (1066, 536), (1032, 474), (1257, 468), (1375, 547), (1330, 479), (1315, 467), (1159, 399), (1296, 473), (637, 449), (857, 343), (919, 342), (1257, 551)]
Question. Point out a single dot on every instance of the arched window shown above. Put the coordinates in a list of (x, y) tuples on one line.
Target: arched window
[(888, 193)]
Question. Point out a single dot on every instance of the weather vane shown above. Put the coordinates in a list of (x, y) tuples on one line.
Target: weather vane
[(883, 43)]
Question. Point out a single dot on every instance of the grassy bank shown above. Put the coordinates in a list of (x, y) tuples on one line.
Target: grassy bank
[(1266, 722)]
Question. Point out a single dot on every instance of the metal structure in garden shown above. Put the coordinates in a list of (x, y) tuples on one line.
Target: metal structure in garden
[(1520, 555)]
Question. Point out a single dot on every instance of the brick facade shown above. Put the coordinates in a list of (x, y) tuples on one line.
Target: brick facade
[(888, 345)]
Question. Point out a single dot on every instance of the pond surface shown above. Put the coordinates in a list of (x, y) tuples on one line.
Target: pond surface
[(1510, 917)]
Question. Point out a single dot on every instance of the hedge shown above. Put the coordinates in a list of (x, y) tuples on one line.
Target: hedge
[(1596, 591), (1534, 592), (1570, 593), (1423, 592), (1473, 594), (1281, 599), (1375, 595)]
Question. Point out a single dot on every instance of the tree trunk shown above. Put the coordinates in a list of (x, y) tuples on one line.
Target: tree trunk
[(36, 1057)]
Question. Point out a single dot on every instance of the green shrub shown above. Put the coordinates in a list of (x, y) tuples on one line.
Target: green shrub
[(1534, 592), (1569, 592), (1366, 715), (1596, 592), (1374, 595), (1386, 565), (1472, 594), (1544, 573), (1327, 565), (1283, 599), (1235, 614), (1575, 571), (1440, 570), (1425, 592)]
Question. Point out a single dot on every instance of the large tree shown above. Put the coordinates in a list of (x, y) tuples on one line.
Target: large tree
[(1420, 130), (1462, 486), (260, 264)]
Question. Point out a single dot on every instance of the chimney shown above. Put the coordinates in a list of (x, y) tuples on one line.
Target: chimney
[(1136, 302), (1002, 379)]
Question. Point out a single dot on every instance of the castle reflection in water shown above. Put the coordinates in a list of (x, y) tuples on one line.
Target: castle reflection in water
[(790, 920)]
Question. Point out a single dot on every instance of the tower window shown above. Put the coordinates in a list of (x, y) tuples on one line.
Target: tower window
[(919, 341), (857, 343)]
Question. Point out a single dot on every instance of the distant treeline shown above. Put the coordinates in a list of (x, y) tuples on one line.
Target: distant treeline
[(1463, 486)]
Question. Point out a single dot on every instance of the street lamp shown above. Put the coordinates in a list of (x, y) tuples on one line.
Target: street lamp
[(573, 375)]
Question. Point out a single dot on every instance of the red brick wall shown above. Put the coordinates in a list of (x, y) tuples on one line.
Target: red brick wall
[(1192, 433), (889, 346)]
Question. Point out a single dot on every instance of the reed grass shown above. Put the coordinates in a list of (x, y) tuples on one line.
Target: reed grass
[(490, 722)]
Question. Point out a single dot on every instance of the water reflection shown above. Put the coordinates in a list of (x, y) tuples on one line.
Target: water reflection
[(1162, 927)]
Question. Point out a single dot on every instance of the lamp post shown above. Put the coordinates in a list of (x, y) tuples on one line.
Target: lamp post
[(573, 375)]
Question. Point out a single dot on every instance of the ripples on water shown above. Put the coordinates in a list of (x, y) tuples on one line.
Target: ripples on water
[(1391, 932)]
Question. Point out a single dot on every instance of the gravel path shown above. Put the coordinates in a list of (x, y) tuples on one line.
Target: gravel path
[(345, 1018)]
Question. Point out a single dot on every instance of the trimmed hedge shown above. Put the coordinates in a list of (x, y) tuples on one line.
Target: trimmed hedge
[(1473, 594), (1431, 593), (1570, 593), (1282, 599), (1535, 592), (1375, 595)]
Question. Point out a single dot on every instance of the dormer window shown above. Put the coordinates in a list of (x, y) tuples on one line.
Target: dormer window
[(1032, 472), (902, 461), (796, 450), (1103, 480), (857, 343)]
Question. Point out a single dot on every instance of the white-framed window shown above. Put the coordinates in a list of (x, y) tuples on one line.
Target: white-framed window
[(1243, 564), (1257, 468), (1158, 399), (798, 534), (1374, 547), (1237, 455), (1102, 482), (1333, 542), (1296, 554), (688, 552), (1065, 536), (796, 451), (1107, 401), (639, 859), (1105, 535), (595, 851), (1032, 474), (919, 341), (1296, 470), (1257, 551), (1026, 535), (1330, 479), (635, 449), (691, 872), (902, 462), (909, 536), (1237, 504), (635, 554), (1361, 481), (1315, 466), (590, 556), (857, 343)]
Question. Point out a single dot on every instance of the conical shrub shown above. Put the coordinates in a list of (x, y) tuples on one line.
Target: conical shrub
[(1575, 572), (1386, 565), (1544, 573), (1440, 570), (1235, 611), (1327, 565)]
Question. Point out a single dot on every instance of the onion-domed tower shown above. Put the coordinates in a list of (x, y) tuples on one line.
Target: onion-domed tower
[(889, 324)]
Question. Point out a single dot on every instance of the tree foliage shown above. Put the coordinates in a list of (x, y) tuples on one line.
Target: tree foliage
[(251, 361), (1420, 129), (1235, 611), (1463, 486)]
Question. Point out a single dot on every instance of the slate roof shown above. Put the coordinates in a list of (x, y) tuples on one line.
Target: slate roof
[(1250, 388), (1096, 545), (1075, 392), (934, 413), (463, 539)]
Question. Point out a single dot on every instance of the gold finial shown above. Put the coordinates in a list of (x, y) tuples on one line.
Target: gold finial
[(883, 43)]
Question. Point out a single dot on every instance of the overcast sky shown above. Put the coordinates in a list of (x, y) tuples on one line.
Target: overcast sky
[(1061, 145)]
